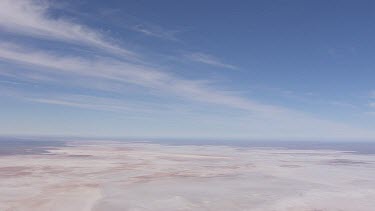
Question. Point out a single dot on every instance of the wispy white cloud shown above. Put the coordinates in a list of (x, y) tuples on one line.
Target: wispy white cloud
[(84, 101), (209, 60), (123, 72), (90, 102), (155, 31), (280, 125), (31, 18)]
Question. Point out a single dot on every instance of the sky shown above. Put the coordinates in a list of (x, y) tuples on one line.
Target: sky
[(260, 69)]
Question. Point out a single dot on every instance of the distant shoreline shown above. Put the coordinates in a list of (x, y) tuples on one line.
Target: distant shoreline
[(36, 145)]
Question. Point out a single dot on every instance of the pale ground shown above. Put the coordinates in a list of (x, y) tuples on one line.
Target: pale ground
[(118, 176)]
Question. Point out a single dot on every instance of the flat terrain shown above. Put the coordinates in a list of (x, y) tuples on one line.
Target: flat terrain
[(106, 176)]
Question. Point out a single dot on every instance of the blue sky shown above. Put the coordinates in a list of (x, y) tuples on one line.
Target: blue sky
[(282, 69)]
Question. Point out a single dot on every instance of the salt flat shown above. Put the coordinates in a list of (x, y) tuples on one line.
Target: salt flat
[(103, 176)]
